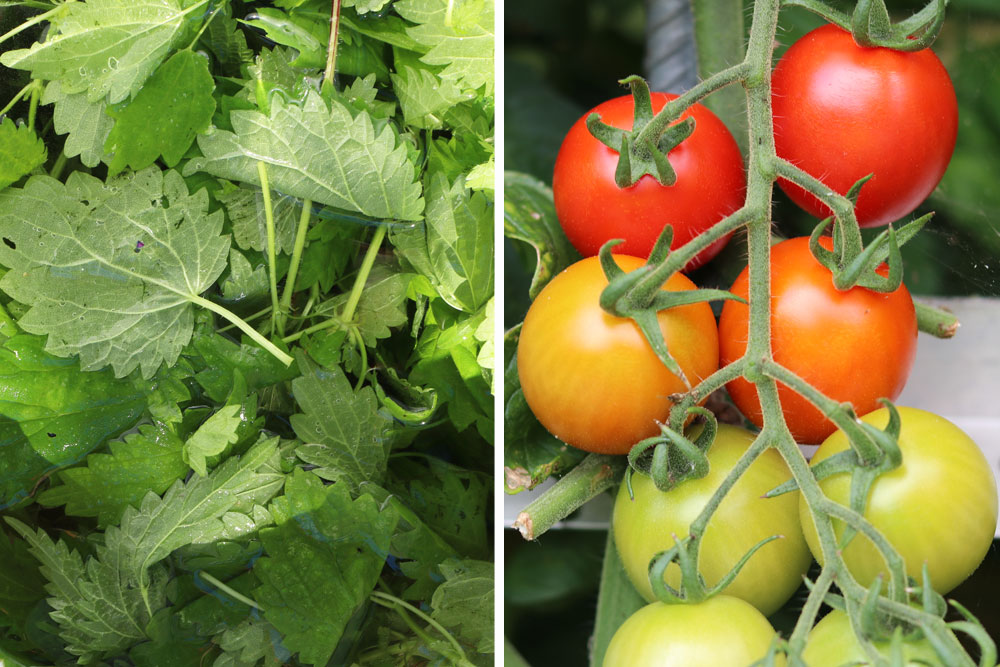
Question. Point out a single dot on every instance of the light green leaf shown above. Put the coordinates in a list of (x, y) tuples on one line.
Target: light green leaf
[(212, 438), (424, 97), (111, 271), (459, 36), (464, 601), (150, 460), (323, 560), (482, 177), (21, 151), (244, 281), (484, 334), (107, 48), (382, 305), (364, 6), (245, 207), (86, 123), (52, 414), (345, 435), (319, 153), (455, 247), (173, 106)]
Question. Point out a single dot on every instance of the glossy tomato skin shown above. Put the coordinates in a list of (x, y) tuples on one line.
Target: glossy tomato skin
[(856, 345), (591, 378), (842, 112), (592, 209), (939, 506), (644, 526), (720, 631), (832, 643)]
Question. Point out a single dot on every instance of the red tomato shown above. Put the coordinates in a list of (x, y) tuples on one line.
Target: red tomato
[(938, 507), (592, 209), (842, 112), (591, 378), (645, 525), (856, 345), (722, 631)]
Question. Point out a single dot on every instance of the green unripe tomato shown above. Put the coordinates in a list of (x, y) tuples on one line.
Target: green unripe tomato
[(644, 526), (832, 643)]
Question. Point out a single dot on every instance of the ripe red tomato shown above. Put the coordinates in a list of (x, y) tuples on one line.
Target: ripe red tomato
[(842, 112), (644, 526), (951, 532), (856, 345), (592, 209), (591, 378), (720, 631), (832, 643)]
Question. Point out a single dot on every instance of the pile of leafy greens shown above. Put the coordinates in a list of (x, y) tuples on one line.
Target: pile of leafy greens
[(246, 317)]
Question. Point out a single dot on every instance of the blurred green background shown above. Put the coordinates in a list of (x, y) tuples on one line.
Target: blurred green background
[(563, 57)]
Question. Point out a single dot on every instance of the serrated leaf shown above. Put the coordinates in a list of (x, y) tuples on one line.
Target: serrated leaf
[(529, 215), (106, 47), (482, 176), (382, 305), (111, 271), (245, 207), (226, 41), (323, 560), (21, 151), (455, 247), (86, 123), (224, 358), (485, 335), (244, 282), (424, 98), (52, 414), (458, 36), (173, 106), (344, 434), (150, 460), (212, 438), (319, 153), (464, 601)]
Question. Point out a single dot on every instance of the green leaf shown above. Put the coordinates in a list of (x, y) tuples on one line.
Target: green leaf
[(307, 36), (106, 47), (245, 283), (246, 644), (224, 358), (111, 271), (52, 414), (455, 247), (150, 460), (529, 215), (21, 152), (87, 124), (464, 601), (212, 438), (245, 208), (323, 560), (21, 584), (173, 106), (319, 153), (226, 41), (458, 36), (382, 305), (424, 97), (482, 176), (345, 435), (484, 334)]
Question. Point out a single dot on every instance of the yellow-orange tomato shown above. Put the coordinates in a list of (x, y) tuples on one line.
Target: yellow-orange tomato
[(591, 378)]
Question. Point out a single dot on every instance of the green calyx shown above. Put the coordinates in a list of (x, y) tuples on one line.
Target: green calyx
[(871, 26), (674, 458), (640, 151)]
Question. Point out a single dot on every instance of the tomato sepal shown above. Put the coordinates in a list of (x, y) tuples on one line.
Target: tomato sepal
[(872, 27), (688, 457)]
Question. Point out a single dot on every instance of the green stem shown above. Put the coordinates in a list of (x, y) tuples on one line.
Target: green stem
[(34, 20), (36, 94), (18, 95), (838, 203), (594, 475), (425, 618), (718, 38), (201, 31), (935, 321), (248, 318), (60, 164), (271, 241), (244, 327), (331, 49), (807, 616), (363, 272), (326, 324), (236, 595), (293, 268)]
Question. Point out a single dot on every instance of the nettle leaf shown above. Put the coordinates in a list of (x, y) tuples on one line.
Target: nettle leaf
[(111, 271), (246, 644), (455, 247), (224, 358), (226, 41), (346, 437), (212, 437), (244, 282), (323, 561), (459, 36), (424, 98), (150, 460), (86, 123), (318, 153), (464, 601), (107, 48), (173, 106), (52, 414), (245, 207), (482, 176), (21, 151), (382, 305)]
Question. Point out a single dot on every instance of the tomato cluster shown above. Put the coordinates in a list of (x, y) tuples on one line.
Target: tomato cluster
[(841, 113)]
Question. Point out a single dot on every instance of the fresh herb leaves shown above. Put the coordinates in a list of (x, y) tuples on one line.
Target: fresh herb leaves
[(246, 314)]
